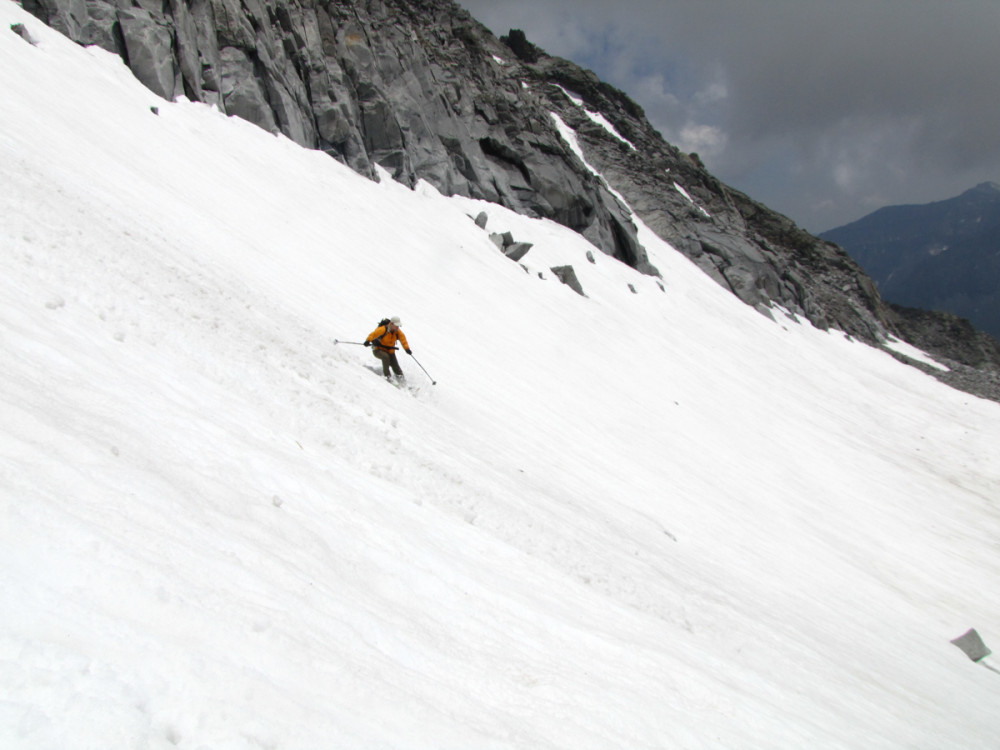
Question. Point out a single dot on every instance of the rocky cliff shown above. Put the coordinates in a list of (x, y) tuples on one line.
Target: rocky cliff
[(421, 89), (417, 87)]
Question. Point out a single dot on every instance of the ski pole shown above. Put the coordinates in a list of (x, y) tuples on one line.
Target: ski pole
[(356, 343), (433, 381)]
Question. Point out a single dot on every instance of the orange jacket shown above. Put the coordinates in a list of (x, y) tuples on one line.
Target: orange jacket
[(383, 338)]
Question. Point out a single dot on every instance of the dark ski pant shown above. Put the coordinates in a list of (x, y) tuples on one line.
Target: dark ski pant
[(388, 358)]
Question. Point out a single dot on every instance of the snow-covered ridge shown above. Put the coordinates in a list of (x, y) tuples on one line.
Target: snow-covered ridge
[(650, 519)]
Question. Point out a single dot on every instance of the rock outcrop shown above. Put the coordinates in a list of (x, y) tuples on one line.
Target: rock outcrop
[(758, 254), (971, 356), (417, 87), (421, 89)]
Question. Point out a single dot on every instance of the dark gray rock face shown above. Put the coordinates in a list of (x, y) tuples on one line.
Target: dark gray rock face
[(65, 16), (416, 87), (149, 48), (761, 256), (422, 90)]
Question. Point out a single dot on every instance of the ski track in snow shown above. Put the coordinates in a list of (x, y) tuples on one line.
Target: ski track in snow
[(628, 520)]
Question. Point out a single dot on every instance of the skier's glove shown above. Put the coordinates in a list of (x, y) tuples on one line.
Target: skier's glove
[(410, 352), (368, 343)]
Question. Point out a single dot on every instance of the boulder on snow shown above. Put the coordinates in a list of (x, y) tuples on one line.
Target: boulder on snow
[(972, 645), (517, 250), (509, 247), (21, 31), (567, 276)]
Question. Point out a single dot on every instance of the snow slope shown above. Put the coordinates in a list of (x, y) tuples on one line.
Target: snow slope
[(650, 519)]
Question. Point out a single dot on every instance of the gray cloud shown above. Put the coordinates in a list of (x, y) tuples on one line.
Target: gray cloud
[(823, 111)]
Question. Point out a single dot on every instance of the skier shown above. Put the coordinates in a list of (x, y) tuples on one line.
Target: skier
[(383, 342)]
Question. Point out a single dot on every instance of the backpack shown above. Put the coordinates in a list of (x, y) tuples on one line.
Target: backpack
[(384, 323)]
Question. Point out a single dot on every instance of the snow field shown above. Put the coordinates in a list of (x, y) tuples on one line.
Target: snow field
[(628, 520)]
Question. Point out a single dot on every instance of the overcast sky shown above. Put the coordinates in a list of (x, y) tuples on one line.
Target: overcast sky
[(824, 110)]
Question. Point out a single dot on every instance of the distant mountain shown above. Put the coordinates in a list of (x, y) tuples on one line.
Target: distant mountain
[(939, 256)]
